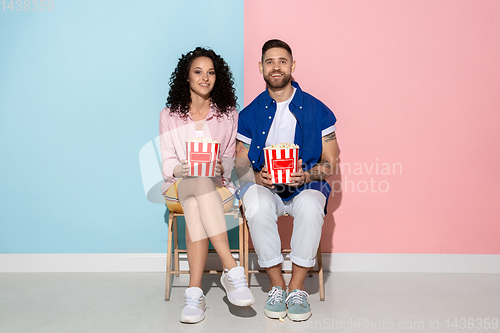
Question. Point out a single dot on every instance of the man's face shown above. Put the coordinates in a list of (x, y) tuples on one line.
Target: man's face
[(277, 67)]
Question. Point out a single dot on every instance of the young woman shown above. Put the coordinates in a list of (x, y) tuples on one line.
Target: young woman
[(201, 103)]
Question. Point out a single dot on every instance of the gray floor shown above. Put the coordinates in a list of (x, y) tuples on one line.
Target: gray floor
[(355, 302)]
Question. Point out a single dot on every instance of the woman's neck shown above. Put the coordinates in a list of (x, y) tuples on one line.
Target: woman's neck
[(199, 110), (199, 105)]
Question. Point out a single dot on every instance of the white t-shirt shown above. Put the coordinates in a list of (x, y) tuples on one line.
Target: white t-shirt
[(283, 126)]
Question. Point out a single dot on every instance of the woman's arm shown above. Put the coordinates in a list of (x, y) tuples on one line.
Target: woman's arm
[(227, 156), (170, 162)]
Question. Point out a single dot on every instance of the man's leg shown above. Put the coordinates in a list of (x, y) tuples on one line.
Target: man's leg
[(299, 274), (262, 208), (276, 276), (307, 210)]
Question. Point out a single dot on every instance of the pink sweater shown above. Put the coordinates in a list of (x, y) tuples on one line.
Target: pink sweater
[(175, 131)]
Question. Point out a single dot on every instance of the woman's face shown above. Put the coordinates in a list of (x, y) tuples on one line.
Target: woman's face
[(201, 77)]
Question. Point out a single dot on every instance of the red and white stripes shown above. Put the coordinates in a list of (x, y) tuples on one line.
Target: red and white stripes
[(202, 158), (281, 162)]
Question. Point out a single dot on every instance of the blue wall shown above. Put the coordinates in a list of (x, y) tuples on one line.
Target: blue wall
[(81, 89)]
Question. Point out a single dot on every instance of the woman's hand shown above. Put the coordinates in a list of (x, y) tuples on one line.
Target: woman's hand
[(185, 168), (181, 171), (219, 168)]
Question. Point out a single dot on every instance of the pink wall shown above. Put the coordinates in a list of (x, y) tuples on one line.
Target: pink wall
[(415, 84)]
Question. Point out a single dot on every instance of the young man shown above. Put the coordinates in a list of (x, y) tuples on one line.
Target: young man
[(285, 114)]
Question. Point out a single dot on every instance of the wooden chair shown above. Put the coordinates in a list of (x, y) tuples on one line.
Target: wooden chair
[(173, 240), (247, 250)]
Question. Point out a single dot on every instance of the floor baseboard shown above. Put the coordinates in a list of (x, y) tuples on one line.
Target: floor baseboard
[(332, 262)]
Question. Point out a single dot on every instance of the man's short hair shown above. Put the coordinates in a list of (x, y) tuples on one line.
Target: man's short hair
[(272, 43)]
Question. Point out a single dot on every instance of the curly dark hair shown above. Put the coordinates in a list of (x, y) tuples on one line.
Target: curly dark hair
[(223, 94)]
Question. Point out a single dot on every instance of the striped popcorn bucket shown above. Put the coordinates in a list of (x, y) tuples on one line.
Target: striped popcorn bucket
[(281, 162), (202, 158)]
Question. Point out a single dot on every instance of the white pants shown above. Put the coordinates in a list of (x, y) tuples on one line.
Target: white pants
[(262, 209)]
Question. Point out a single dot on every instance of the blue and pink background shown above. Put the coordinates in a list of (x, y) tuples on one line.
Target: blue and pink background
[(414, 84)]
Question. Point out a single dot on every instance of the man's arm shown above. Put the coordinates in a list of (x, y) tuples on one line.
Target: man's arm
[(244, 169), (328, 161), (242, 164)]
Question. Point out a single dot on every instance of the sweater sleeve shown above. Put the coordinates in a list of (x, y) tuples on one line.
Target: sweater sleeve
[(328, 120), (244, 133), (227, 155), (169, 159)]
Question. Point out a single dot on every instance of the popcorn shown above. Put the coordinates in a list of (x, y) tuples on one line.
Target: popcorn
[(202, 155), (202, 139), (283, 145), (281, 161)]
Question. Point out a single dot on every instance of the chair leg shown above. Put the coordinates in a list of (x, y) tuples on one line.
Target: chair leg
[(245, 247), (320, 274), (169, 255), (241, 242), (176, 245)]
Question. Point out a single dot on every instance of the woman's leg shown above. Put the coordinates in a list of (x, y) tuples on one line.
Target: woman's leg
[(197, 251), (210, 215)]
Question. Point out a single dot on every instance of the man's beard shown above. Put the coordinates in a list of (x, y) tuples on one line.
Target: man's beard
[(285, 79)]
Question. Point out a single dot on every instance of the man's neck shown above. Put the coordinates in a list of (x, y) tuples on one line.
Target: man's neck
[(282, 94)]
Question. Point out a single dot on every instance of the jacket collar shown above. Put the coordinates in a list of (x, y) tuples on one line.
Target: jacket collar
[(297, 100), (210, 114)]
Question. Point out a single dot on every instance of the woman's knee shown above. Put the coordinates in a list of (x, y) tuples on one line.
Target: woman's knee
[(195, 186), (194, 228), (190, 204)]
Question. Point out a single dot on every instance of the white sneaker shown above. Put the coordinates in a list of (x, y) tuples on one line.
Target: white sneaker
[(194, 306), (235, 284)]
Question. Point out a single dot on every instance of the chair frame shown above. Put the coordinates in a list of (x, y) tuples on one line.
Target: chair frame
[(172, 235), (247, 250)]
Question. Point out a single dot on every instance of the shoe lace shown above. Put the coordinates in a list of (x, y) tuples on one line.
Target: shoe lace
[(193, 301), (274, 295), (299, 296), (238, 281)]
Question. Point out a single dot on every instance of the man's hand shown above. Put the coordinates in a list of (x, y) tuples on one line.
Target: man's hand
[(298, 178), (244, 168), (263, 178)]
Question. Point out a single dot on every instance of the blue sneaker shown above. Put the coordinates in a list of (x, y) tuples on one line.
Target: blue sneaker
[(275, 307), (298, 308)]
